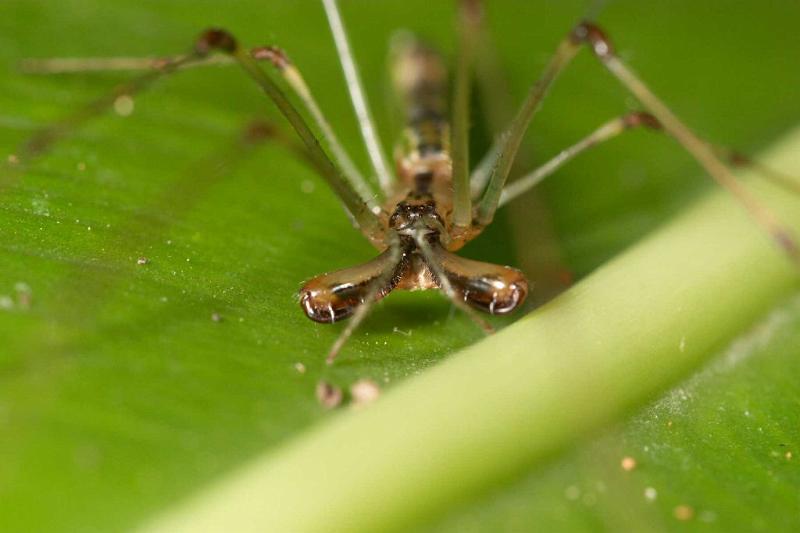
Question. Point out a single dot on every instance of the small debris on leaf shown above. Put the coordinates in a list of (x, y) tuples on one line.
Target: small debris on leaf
[(300, 367), (216, 317), (123, 105), (628, 463), (364, 391), (24, 295), (142, 261), (683, 512), (307, 186), (328, 395), (572, 493), (650, 494)]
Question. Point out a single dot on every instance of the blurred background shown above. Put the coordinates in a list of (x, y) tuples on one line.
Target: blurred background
[(121, 395)]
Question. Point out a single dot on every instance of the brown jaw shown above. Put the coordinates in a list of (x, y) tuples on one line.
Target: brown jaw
[(493, 289), (334, 296), (490, 288), (420, 230)]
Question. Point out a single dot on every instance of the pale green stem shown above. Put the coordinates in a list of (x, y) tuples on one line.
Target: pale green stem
[(497, 408)]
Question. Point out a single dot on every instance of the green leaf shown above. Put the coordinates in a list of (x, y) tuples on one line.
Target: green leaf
[(723, 445), (509, 401), (120, 395)]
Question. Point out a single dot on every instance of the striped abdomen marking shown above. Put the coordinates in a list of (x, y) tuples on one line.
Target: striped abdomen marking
[(420, 79)]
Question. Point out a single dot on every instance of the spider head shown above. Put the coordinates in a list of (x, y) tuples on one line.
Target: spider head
[(416, 216)]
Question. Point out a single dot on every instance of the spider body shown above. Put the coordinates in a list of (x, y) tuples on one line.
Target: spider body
[(432, 204), (420, 211)]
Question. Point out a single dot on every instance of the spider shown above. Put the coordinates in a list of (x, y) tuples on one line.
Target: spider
[(430, 204)]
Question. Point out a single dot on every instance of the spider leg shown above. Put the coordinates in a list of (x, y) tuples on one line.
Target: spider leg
[(736, 158), (604, 133), (351, 292), (222, 41), (297, 83), (434, 263), (365, 121), (219, 40), (277, 57), (542, 256), (44, 138), (612, 129), (590, 35), (462, 199)]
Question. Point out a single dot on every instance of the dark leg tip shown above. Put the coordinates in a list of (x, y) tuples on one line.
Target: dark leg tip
[(738, 159), (215, 39), (641, 118), (259, 130), (588, 33)]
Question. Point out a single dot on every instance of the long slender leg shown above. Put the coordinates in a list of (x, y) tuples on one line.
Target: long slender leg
[(444, 282), (493, 89), (738, 159), (462, 200), (297, 83), (510, 141), (380, 284), (45, 137), (80, 65), (358, 317), (483, 170), (613, 128), (274, 55), (365, 121), (220, 40), (539, 250), (606, 132), (591, 35)]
